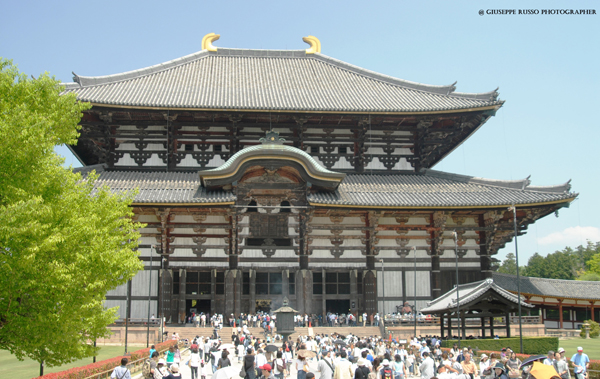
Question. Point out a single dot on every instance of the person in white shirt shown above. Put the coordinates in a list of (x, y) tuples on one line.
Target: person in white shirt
[(240, 352), (550, 359), (326, 366), (427, 367), (279, 366), (484, 364), (260, 358)]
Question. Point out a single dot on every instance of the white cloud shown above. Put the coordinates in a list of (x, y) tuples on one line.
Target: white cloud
[(572, 236)]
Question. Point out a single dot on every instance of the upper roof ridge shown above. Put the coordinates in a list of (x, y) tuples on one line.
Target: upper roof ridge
[(85, 81), (445, 90)]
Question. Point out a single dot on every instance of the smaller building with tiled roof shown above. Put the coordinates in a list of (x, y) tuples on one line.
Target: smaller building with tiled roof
[(564, 304)]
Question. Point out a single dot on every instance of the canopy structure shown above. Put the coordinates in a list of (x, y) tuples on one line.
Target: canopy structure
[(483, 299)]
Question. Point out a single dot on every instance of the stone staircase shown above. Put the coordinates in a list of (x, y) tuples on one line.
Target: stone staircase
[(226, 332)]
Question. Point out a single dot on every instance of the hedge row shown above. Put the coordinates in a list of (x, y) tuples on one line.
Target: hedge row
[(531, 345), (105, 365)]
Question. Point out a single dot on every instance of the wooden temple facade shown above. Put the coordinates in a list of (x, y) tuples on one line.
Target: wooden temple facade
[(265, 174)]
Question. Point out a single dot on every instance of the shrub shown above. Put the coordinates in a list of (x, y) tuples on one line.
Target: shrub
[(594, 329), (531, 345), (105, 365)]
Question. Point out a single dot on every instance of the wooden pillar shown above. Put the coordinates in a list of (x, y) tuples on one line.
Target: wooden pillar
[(485, 262), (507, 325), (324, 296), (182, 308), (463, 322), (304, 291), (353, 292), (166, 284), (560, 314), (213, 291), (442, 325), (492, 326), (483, 327), (449, 325), (252, 308), (436, 275), (285, 283), (370, 290), (592, 309), (233, 292)]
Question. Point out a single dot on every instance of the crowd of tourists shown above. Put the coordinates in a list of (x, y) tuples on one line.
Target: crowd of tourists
[(349, 357)]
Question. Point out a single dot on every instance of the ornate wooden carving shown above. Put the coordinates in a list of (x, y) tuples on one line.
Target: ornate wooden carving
[(268, 225)]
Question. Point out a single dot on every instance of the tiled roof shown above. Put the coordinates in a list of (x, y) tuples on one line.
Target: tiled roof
[(428, 189), (437, 189), (159, 187), (468, 293), (288, 80), (569, 289)]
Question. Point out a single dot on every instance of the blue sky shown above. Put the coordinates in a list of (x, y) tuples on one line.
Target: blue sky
[(545, 65)]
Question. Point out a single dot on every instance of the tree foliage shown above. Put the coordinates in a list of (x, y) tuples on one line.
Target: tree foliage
[(581, 263), (509, 265), (558, 265), (63, 244)]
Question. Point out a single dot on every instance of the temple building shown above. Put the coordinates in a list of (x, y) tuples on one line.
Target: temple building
[(265, 174)]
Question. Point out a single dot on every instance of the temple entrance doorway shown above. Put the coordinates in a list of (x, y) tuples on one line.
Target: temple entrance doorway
[(337, 306), (200, 306), (263, 306)]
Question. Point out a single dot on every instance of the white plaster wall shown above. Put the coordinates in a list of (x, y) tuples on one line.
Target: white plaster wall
[(343, 163), (188, 161), (119, 291), (122, 304), (423, 283), (140, 283), (393, 283)]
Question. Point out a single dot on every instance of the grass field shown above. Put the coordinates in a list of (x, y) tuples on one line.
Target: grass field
[(591, 347), (31, 369)]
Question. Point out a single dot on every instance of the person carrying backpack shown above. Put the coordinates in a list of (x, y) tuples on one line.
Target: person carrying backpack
[(386, 371), (362, 371)]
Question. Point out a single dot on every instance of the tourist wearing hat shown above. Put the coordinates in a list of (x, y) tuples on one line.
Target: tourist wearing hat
[(580, 362), (267, 371), (489, 373), (161, 369), (175, 374), (561, 365), (484, 364), (385, 370), (500, 371), (362, 371)]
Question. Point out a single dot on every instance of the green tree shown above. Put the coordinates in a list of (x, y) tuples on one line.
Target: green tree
[(509, 265), (589, 276), (558, 265), (63, 244)]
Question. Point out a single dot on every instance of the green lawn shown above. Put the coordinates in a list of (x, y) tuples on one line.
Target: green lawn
[(30, 369), (591, 347)]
